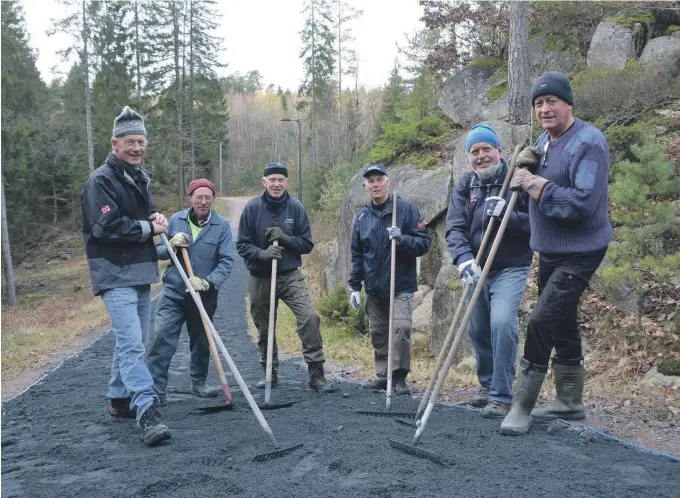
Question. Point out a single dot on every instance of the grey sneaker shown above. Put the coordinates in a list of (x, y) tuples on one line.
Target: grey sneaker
[(495, 409), (480, 400)]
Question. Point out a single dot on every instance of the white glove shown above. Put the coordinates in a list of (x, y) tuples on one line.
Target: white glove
[(495, 206), (180, 240), (470, 271), (199, 284), (355, 299)]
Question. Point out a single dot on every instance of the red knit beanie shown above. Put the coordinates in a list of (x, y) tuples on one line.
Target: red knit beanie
[(200, 182)]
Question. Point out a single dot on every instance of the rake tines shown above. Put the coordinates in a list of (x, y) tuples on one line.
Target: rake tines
[(419, 452), (376, 413), (405, 422), (263, 457)]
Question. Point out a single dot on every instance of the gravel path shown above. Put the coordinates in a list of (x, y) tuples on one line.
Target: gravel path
[(58, 441)]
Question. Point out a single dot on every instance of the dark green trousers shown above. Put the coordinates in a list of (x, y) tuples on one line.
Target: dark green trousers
[(292, 290)]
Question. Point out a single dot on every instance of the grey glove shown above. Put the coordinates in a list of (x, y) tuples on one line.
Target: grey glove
[(180, 240), (276, 233), (355, 299), (528, 158), (271, 252), (395, 233)]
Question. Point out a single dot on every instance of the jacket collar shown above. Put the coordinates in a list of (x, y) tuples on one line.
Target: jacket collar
[(388, 206), (212, 220), (119, 167), (495, 180)]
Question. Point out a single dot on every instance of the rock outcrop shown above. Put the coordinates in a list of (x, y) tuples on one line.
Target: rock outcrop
[(662, 55)]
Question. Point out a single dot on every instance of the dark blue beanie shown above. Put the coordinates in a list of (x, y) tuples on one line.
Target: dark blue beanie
[(276, 169), (482, 133), (552, 83)]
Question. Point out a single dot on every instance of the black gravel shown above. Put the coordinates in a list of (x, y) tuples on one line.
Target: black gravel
[(57, 440)]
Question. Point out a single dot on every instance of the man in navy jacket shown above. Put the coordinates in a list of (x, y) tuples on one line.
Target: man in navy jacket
[(493, 323), (207, 236), (372, 234)]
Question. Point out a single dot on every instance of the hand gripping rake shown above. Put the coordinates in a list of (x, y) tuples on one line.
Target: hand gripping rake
[(232, 366), (412, 448)]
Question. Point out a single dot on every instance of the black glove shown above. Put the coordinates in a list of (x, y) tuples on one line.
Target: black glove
[(276, 233), (528, 159), (271, 252)]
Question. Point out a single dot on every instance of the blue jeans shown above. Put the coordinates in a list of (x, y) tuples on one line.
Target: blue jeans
[(130, 311), (493, 331), (171, 313)]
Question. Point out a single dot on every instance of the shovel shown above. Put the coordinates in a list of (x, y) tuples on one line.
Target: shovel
[(390, 334), (279, 452), (466, 289), (213, 351), (412, 448), (268, 405)]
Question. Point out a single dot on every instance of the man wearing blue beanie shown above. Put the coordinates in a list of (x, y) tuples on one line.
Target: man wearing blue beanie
[(566, 175), (493, 324)]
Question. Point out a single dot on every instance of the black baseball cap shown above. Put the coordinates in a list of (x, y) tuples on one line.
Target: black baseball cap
[(375, 168)]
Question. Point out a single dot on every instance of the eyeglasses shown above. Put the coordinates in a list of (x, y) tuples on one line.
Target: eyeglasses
[(206, 198)]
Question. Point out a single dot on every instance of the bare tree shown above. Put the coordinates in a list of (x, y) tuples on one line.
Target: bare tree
[(88, 100), (518, 63), (6, 254)]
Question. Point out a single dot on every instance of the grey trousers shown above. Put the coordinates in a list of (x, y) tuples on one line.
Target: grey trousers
[(378, 309), (292, 290), (170, 315)]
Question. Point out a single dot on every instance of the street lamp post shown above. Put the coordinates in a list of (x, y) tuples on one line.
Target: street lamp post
[(299, 127), (220, 175)]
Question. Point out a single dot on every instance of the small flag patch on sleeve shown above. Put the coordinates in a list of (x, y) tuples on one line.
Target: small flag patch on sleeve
[(421, 224), (106, 209)]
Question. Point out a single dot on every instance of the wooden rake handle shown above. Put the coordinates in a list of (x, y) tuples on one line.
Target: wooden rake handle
[(211, 341)]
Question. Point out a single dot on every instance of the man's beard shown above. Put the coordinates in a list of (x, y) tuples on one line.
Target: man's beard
[(487, 173)]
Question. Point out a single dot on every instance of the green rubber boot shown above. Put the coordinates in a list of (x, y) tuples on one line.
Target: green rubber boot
[(529, 382), (568, 403)]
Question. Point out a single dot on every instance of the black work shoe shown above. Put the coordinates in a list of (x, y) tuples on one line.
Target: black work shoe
[(275, 379), (203, 391), (399, 386), (317, 380), (120, 408), (376, 385), (154, 431)]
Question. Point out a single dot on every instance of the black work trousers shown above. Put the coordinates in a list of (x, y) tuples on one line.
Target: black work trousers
[(554, 319)]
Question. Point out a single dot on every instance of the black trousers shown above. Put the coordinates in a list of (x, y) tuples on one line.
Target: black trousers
[(554, 320)]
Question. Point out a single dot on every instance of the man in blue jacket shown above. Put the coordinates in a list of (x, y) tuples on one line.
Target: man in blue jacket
[(119, 221), (566, 174), (493, 323), (372, 234), (276, 216), (208, 238)]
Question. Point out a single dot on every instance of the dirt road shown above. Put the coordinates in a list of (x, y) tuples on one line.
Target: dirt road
[(58, 441)]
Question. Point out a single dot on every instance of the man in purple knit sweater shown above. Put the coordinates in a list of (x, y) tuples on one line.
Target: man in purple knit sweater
[(566, 176)]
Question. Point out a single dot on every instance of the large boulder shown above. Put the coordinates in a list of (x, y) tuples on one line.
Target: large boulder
[(624, 36), (465, 96), (662, 55), (428, 189), (548, 54)]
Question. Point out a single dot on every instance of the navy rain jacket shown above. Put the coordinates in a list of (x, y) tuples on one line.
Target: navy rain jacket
[(371, 248)]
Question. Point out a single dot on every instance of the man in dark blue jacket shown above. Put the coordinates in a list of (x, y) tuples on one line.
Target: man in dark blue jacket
[(208, 238), (276, 216), (372, 234), (119, 221), (493, 324)]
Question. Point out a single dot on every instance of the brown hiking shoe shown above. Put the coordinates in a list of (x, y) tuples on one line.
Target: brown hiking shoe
[(480, 400), (495, 409), (317, 379)]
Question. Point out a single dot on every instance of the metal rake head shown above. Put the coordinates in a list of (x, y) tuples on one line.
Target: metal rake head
[(406, 422), (375, 413), (263, 457), (419, 452)]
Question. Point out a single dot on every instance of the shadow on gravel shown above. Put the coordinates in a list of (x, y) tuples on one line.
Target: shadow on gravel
[(58, 441)]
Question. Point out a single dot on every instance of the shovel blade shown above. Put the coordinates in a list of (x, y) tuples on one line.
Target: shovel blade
[(206, 410), (263, 457), (419, 452), (274, 406)]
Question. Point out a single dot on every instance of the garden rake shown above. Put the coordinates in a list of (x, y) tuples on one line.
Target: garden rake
[(279, 452)]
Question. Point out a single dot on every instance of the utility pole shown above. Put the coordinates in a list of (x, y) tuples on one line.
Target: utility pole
[(299, 127)]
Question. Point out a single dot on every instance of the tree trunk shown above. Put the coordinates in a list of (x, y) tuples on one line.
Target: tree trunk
[(88, 103), (6, 254), (178, 98), (313, 90), (191, 90), (518, 63), (139, 76)]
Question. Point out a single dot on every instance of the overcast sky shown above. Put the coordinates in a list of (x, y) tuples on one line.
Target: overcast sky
[(263, 35)]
